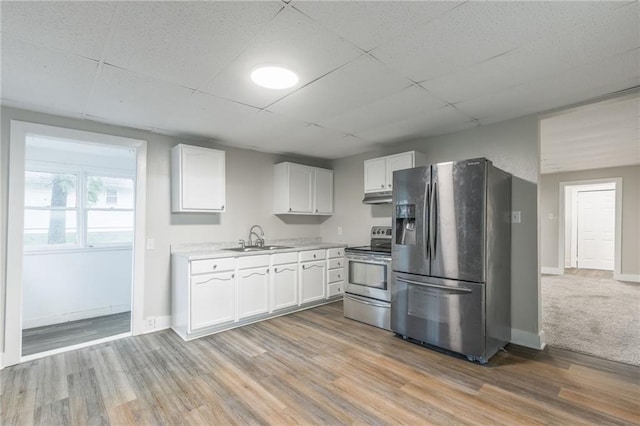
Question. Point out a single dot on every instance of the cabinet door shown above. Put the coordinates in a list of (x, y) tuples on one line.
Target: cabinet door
[(213, 299), (375, 175), (253, 292), (300, 188), (398, 162), (202, 180), (312, 281), (285, 286), (323, 191)]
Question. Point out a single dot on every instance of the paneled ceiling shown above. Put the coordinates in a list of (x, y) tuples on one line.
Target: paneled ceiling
[(599, 135), (370, 72)]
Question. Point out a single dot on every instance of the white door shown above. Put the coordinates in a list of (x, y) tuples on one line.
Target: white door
[(375, 174), (300, 188), (596, 229), (324, 191)]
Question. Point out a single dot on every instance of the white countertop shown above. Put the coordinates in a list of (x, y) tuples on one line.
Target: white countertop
[(200, 251)]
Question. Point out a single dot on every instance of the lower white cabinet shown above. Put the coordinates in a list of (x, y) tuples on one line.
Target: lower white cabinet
[(218, 293), (284, 281), (213, 299), (312, 281)]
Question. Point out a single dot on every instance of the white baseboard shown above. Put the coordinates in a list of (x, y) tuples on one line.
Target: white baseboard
[(552, 270), (74, 316), (627, 277), (1, 360), (528, 339), (153, 324)]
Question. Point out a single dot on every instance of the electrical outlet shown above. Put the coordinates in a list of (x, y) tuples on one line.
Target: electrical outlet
[(515, 217), (151, 323), (339, 230), (151, 244)]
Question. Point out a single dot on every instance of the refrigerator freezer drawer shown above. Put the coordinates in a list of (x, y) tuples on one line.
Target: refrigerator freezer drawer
[(444, 313)]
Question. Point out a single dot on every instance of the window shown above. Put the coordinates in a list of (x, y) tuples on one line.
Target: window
[(77, 209)]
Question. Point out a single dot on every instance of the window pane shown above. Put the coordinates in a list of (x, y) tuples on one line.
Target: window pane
[(109, 227), (109, 192), (49, 189), (49, 227)]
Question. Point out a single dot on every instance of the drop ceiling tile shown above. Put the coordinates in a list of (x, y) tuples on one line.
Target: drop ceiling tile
[(614, 33), (367, 24), (358, 83), (265, 128), (477, 31), (37, 76), (429, 123), (185, 43), (399, 106), (291, 40), (128, 98), (200, 114), (317, 141), (77, 27)]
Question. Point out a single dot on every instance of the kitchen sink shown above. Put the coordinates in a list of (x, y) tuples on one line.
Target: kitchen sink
[(264, 248)]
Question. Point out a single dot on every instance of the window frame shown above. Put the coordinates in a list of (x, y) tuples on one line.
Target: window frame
[(82, 209)]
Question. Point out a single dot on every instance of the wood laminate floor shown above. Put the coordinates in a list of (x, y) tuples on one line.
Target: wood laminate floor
[(313, 367), (56, 336)]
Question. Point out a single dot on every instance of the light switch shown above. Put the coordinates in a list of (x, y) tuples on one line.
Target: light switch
[(515, 217), (151, 244), (339, 230)]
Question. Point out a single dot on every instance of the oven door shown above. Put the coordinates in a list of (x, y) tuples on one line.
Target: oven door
[(445, 313), (368, 276)]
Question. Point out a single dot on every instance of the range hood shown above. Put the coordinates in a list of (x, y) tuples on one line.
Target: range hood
[(383, 197)]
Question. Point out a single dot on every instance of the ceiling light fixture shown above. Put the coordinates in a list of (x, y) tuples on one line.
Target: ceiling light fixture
[(273, 77)]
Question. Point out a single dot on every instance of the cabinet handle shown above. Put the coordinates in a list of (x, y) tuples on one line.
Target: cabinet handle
[(311, 266), (338, 276), (289, 208), (389, 185), (382, 185), (339, 264), (216, 279), (256, 273), (314, 256), (316, 210), (215, 266), (285, 269), (222, 207)]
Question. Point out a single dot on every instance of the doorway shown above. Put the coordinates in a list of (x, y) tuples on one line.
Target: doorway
[(590, 217), (75, 261)]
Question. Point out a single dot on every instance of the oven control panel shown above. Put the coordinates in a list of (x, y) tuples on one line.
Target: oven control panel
[(382, 232)]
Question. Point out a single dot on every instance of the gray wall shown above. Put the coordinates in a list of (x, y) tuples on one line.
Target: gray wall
[(549, 199), (512, 146), (249, 177)]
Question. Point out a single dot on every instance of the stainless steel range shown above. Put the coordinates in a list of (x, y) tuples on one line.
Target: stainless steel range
[(367, 293)]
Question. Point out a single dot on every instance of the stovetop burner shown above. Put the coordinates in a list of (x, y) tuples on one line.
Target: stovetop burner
[(380, 242)]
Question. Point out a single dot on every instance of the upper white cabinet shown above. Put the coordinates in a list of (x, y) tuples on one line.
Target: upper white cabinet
[(300, 189), (197, 179), (378, 172)]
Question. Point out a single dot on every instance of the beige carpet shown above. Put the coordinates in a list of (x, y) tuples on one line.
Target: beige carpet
[(595, 316)]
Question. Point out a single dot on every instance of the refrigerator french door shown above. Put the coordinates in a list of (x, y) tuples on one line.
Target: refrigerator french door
[(451, 256)]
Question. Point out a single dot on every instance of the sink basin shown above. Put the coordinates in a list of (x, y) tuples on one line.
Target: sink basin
[(247, 249)]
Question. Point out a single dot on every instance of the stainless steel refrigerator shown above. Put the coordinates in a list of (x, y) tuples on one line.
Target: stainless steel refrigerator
[(451, 257)]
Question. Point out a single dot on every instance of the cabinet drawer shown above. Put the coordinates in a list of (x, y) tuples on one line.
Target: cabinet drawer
[(335, 289), (253, 261), (282, 258), (212, 265), (336, 275), (335, 252), (336, 263), (306, 256)]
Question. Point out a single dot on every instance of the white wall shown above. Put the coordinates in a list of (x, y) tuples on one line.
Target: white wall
[(249, 201), (512, 146), (549, 208), (59, 287)]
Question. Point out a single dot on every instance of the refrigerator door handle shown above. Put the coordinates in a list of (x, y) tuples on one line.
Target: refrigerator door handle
[(433, 217), (427, 214), (442, 287)]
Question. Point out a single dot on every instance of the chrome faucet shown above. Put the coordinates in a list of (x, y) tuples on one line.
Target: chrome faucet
[(260, 239)]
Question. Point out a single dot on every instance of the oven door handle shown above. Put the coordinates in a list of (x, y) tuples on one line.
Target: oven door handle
[(364, 301), (441, 287), (368, 261)]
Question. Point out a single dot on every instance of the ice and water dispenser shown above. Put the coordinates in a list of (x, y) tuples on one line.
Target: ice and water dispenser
[(405, 224)]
